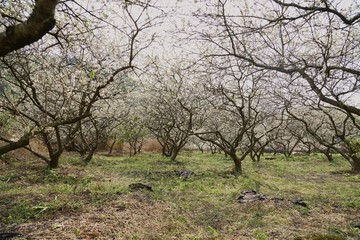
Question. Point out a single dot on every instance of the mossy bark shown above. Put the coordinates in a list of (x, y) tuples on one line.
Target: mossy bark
[(40, 22), (10, 146)]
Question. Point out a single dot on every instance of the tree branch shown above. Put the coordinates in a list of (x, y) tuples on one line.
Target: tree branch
[(348, 21), (37, 25)]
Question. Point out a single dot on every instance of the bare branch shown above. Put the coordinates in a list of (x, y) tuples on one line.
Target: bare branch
[(37, 25)]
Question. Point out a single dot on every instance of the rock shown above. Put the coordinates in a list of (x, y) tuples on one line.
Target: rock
[(140, 186), (299, 202), (356, 225), (186, 174), (250, 196), (9, 235)]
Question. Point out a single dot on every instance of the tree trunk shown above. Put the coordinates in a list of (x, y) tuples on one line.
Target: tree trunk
[(54, 161), (237, 164), (132, 145), (174, 154), (329, 156), (252, 156), (256, 156), (91, 151), (90, 155), (237, 168), (309, 150), (167, 151), (287, 154), (139, 146), (111, 147), (54, 149), (355, 164), (212, 148)]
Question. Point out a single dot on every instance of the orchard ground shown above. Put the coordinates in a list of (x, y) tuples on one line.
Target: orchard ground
[(95, 202)]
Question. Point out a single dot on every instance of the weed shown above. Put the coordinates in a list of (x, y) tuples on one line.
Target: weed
[(336, 230), (260, 235), (256, 220), (19, 213)]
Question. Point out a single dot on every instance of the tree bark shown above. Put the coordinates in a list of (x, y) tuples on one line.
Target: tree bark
[(238, 167), (237, 164), (22, 142), (90, 155), (167, 150), (40, 22), (55, 149), (133, 147), (329, 157), (111, 147), (174, 154), (54, 161), (328, 154), (355, 164)]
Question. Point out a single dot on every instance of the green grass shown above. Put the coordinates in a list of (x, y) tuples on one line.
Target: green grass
[(203, 207)]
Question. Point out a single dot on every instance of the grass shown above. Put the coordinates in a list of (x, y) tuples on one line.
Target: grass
[(95, 202)]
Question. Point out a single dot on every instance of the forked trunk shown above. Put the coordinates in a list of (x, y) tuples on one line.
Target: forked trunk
[(54, 159), (328, 154), (90, 155), (174, 154), (111, 147), (329, 157), (167, 151)]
